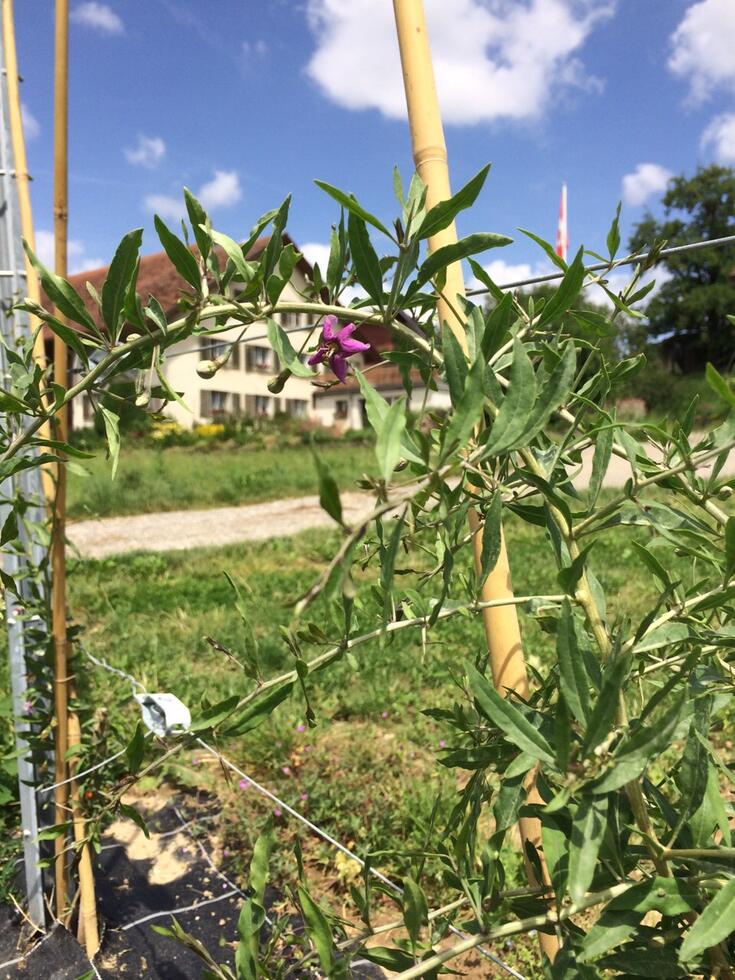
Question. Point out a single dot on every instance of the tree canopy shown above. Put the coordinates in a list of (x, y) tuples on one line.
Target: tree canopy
[(688, 314)]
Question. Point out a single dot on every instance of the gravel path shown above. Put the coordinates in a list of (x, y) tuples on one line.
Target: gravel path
[(182, 529)]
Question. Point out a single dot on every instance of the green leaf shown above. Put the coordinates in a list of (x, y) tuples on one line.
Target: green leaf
[(257, 711), (603, 714), (137, 818), (613, 236), (600, 461), (318, 931), (448, 254), (729, 547), (365, 259), (455, 365), (390, 434), (287, 356), (566, 294), (328, 490), (469, 410), (569, 576), (199, 223), (491, 537), (10, 529), (215, 714), (135, 748), (573, 678), (508, 719), (119, 281), (246, 270), (352, 205), (258, 877), (718, 384), (179, 254), (588, 830), (554, 393), (61, 293), (444, 213), (391, 959), (415, 908), (71, 337), (112, 431), (515, 412), (549, 249), (716, 923)]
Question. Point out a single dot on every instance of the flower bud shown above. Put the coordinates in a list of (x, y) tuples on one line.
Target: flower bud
[(724, 493), (142, 399), (207, 369), (275, 385), (132, 336)]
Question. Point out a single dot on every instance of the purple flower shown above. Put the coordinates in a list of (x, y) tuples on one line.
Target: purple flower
[(277, 812), (336, 345), (304, 797), (301, 728), (244, 783), (442, 743), (385, 714), (286, 770), (28, 707)]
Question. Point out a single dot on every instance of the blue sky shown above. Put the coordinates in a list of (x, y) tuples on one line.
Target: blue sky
[(245, 101)]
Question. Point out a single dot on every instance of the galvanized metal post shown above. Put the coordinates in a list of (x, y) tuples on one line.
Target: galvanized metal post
[(22, 560)]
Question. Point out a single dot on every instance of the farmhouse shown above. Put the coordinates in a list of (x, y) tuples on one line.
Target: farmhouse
[(240, 387)]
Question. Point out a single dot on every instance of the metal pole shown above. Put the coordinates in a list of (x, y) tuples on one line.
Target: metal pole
[(502, 630), (21, 557)]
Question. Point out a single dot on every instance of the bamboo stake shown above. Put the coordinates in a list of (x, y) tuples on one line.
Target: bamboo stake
[(22, 181), (87, 929), (502, 630), (58, 531)]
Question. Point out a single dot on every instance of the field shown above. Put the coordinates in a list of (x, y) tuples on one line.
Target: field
[(366, 771), (199, 476)]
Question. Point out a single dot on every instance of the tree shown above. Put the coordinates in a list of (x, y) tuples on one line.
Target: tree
[(688, 314)]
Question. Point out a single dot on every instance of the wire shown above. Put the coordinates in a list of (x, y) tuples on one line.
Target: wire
[(183, 908)]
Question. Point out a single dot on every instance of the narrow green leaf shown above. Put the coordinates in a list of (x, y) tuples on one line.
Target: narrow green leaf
[(415, 908), (444, 213), (448, 254), (565, 296), (600, 461), (119, 281), (352, 206), (455, 365), (328, 490), (716, 923), (718, 384), (574, 681), (509, 719), (318, 931), (613, 236), (605, 709), (548, 248), (729, 547), (112, 431), (491, 537), (199, 223), (517, 406), (259, 864), (588, 830), (178, 253), (10, 529), (287, 356), (61, 293), (390, 434), (257, 711), (215, 714), (470, 408), (244, 269), (365, 259), (554, 393), (135, 749)]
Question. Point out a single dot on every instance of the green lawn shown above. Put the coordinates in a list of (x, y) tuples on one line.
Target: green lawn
[(367, 771), (150, 480)]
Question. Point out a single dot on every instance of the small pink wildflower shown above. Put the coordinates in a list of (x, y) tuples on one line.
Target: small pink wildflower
[(277, 812), (196, 762), (244, 783), (304, 797), (442, 743), (28, 707), (385, 714), (307, 748), (336, 345), (301, 728), (286, 770)]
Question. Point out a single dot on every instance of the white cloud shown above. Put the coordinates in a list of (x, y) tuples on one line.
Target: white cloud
[(76, 253), (492, 59), (31, 126), (720, 136), (254, 49), (647, 179), (316, 252), (148, 153), (703, 46), (222, 191), (98, 16)]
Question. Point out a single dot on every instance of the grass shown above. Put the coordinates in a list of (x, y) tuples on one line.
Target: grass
[(367, 771), (150, 480)]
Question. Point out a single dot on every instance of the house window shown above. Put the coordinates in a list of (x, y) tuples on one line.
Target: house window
[(257, 359), (261, 404), (297, 407), (213, 348), (340, 408), (290, 321), (213, 404)]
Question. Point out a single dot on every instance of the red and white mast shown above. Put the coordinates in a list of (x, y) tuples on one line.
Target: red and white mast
[(562, 235)]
